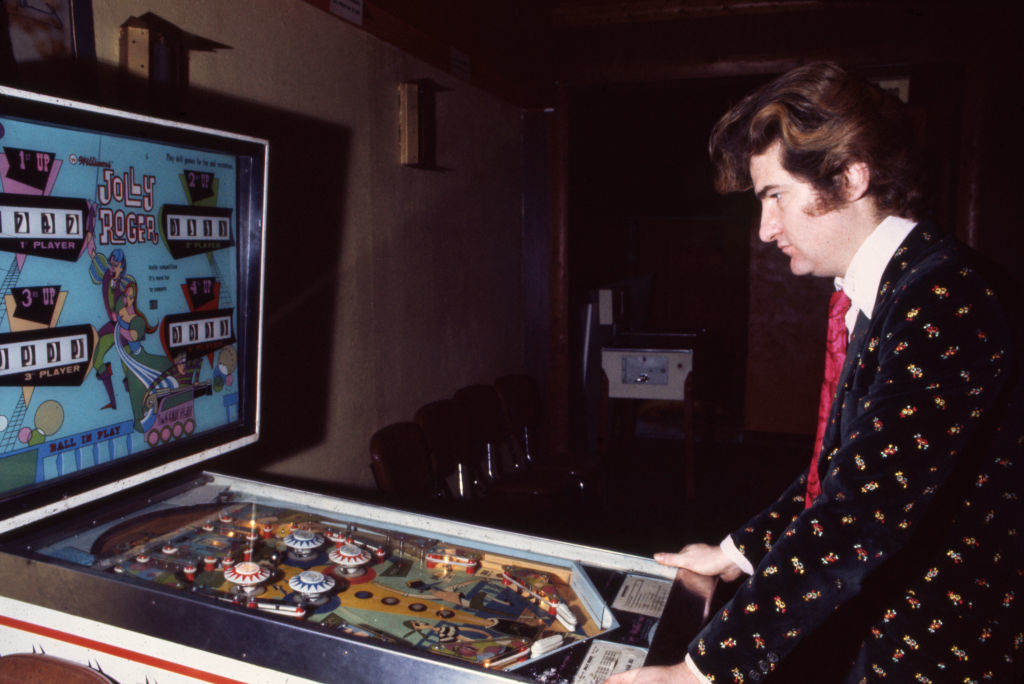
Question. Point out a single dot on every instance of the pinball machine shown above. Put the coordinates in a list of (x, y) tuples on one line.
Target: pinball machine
[(129, 359)]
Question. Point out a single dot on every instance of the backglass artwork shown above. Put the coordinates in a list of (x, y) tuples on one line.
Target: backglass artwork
[(129, 254)]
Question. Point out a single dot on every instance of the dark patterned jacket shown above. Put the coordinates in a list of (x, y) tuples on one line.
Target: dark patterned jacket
[(908, 567)]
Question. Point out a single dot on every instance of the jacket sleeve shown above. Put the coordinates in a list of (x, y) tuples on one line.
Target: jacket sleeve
[(755, 537), (928, 372)]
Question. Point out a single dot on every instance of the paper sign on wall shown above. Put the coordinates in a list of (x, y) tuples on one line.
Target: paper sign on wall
[(349, 10)]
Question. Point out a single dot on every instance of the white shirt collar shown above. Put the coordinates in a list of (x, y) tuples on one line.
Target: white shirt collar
[(867, 266)]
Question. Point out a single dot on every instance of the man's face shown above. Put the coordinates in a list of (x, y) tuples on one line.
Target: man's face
[(116, 267), (816, 244)]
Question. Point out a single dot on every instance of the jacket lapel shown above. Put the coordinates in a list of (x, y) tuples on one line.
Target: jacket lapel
[(921, 239)]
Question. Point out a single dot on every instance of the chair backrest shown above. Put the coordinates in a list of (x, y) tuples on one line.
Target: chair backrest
[(520, 398), (445, 427), (401, 461), (484, 413), (490, 432)]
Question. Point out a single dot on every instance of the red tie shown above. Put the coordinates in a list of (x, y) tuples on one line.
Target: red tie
[(835, 354)]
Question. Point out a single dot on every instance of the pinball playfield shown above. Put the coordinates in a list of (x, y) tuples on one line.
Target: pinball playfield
[(478, 606), (306, 587)]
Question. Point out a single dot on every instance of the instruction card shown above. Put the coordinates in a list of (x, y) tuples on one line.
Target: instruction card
[(643, 595), (605, 659)]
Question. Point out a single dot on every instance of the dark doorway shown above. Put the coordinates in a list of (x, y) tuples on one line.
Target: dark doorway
[(643, 211)]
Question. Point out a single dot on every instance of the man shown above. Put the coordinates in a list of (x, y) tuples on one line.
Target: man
[(895, 555)]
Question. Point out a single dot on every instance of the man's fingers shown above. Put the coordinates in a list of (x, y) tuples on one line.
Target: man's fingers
[(702, 559), (674, 560)]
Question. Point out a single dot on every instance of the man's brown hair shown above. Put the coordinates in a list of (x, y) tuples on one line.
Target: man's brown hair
[(825, 119)]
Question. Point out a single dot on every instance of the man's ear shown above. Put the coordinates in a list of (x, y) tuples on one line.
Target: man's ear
[(856, 177)]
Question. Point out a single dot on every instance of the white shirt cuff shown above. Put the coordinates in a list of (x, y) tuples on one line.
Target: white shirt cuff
[(728, 547), (696, 673)]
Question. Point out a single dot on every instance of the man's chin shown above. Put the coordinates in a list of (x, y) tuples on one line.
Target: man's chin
[(800, 268)]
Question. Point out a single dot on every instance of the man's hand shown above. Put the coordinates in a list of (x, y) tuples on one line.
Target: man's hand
[(702, 559), (674, 674)]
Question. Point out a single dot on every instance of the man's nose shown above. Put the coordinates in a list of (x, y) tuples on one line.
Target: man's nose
[(770, 226)]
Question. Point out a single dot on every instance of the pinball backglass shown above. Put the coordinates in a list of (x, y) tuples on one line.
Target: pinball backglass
[(131, 254)]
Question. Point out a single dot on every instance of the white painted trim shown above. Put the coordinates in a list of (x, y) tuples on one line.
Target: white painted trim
[(111, 649)]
